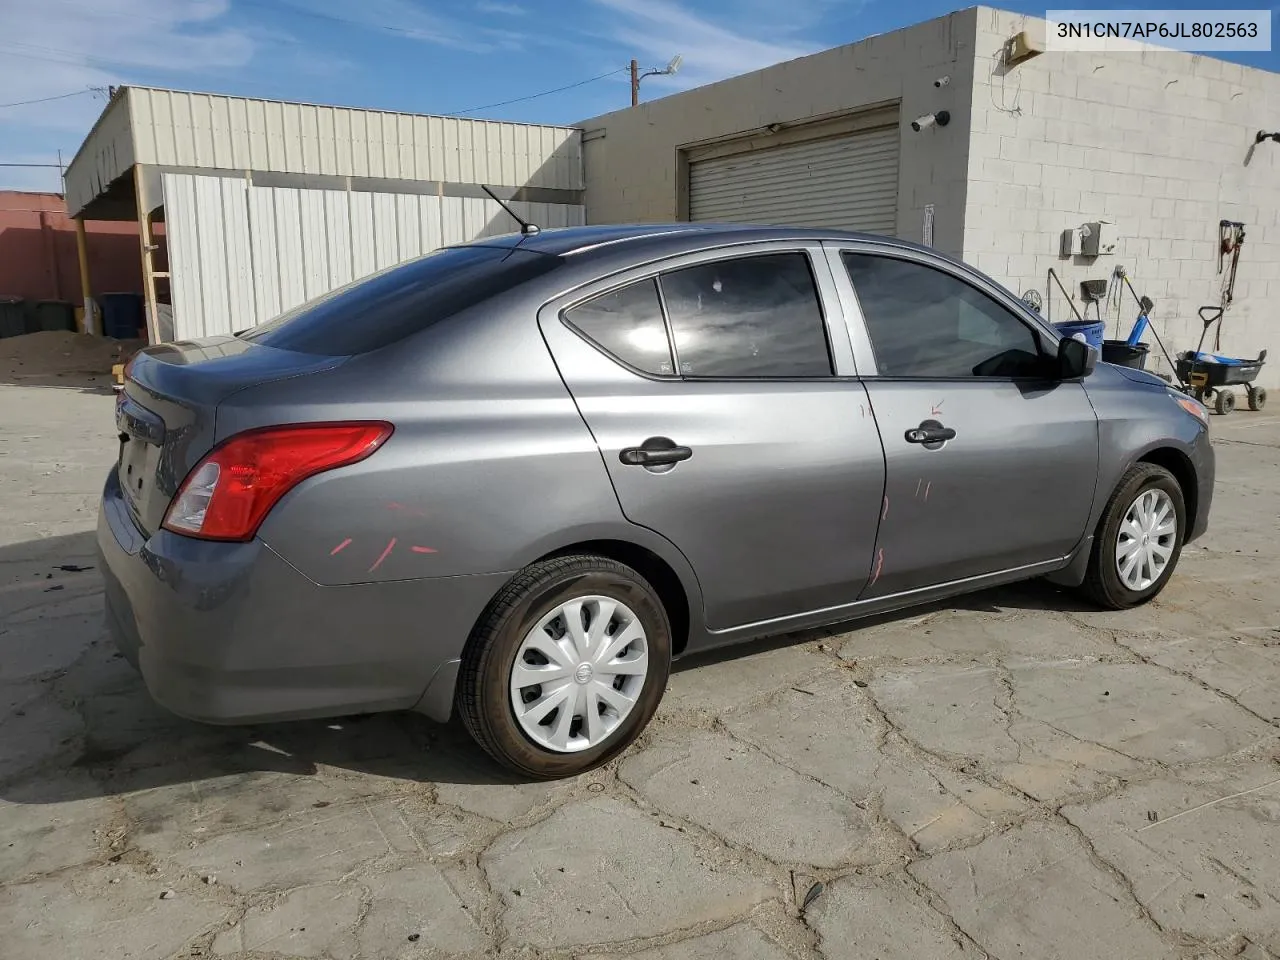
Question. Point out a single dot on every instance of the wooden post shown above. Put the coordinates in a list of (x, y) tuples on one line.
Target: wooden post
[(86, 295), (635, 82), (148, 271)]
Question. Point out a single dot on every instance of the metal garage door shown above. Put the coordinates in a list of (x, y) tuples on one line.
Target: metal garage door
[(849, 182)]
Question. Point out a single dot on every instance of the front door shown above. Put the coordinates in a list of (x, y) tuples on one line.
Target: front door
[(991, 462), (724, 426)]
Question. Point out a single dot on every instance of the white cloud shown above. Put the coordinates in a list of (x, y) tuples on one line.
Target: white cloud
[(408, 19), (57, 46), (748, 35)]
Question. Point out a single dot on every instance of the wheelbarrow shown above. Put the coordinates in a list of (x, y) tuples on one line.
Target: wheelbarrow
[(1209, 376)]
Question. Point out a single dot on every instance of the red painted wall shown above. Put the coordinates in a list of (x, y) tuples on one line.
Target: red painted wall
[(38, 250)]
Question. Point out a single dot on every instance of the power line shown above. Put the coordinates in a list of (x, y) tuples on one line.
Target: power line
[(535, 96), (61, 96)]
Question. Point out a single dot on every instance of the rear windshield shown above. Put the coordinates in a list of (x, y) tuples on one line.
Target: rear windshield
[(395, 303)]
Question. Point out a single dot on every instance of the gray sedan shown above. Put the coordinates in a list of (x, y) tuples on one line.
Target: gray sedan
[(514, 479)]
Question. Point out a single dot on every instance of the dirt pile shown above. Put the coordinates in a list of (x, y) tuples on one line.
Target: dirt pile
[(55, 354)]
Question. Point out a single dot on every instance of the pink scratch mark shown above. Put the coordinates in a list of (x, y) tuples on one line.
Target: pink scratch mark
[(879, 564), (937, 408), (885, 512), (377, 563), (340, 547), (423, 549), (927, 487)]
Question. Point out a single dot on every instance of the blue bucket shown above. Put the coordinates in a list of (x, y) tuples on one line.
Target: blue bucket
[(1090, 331)]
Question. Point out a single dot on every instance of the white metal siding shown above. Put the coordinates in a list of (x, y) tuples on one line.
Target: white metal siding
[(175, 128), (240, 254), (105, 154), (849, 182)]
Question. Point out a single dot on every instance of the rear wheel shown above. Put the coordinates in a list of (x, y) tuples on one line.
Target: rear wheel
[(566, 666), (1139, 539), (1224, 402), (1257, 398)]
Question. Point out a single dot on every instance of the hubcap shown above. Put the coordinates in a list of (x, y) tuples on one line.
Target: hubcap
[(578, 673), (1148, 535)]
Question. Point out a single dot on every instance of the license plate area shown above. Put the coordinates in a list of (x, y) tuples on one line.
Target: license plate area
[(141, 442)]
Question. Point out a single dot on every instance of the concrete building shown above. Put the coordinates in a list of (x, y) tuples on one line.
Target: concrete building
[(1159, 143), (267, 204)]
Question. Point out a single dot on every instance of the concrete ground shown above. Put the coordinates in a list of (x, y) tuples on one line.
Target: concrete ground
[(1014, 776)]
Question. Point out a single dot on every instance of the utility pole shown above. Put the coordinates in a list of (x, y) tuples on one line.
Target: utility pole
[(637, 76)]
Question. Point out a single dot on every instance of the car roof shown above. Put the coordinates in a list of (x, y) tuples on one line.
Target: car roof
[(574, 241)]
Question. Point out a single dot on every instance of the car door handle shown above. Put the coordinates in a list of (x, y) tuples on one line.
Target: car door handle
[(930, 433), (654, 452)]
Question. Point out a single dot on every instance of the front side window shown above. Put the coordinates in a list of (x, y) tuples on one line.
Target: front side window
[(748, 317), (627, 324), (928, 323)]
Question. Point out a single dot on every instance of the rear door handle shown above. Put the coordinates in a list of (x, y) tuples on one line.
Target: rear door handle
[(654, 452), (930, 432)]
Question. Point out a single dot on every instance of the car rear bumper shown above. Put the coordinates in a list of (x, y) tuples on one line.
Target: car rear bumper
[(232, 633)]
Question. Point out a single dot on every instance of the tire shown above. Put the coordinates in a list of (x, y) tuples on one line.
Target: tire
[(1257, 398), (485, 695), (1103, 583), (1224, 402)]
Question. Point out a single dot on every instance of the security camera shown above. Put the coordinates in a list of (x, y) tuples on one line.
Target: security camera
[(941, 118), (942, 81)]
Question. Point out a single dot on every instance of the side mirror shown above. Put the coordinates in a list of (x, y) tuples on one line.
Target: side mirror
[(1076, 358)]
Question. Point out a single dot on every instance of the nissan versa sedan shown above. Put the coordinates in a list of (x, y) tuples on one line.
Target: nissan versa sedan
[(514, 479)]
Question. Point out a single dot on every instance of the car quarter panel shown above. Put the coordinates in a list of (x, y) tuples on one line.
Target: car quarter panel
[(490, 466)]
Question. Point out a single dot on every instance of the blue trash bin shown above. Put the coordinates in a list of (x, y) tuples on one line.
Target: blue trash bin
[(1091, 331), (122, 315)]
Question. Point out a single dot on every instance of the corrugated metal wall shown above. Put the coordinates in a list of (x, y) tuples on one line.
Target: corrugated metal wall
[(107, 153), (241, 254), (173, 128)]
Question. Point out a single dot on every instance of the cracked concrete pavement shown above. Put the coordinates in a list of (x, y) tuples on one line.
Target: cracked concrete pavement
[(1016, 775)]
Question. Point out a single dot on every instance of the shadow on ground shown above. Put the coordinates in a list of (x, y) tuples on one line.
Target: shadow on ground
[(76, 706)]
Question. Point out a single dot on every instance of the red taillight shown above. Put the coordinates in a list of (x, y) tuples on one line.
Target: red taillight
[(231, 491)]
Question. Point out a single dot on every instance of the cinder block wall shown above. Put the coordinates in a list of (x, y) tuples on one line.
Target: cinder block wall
[(631, 156), (1160, 142)]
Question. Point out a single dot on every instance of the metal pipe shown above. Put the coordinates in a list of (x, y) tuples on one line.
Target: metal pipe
[(1070, 302)]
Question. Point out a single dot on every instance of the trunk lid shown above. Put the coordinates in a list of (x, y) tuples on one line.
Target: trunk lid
[(166, 413)]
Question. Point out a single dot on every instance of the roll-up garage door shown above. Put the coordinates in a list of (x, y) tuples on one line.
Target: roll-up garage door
[(849, 182)]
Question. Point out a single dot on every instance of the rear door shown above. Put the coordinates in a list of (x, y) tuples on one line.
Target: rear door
[(991, 461), (719, 389)]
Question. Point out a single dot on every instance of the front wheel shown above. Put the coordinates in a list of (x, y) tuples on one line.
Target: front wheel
[(565, 667), (1224, 402), (1139, 539), (1257, 398)]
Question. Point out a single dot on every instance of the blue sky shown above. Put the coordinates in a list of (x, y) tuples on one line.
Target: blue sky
[(424, 56)]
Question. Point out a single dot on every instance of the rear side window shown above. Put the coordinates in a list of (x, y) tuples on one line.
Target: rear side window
[(627, 324), (748, 317), (396, 303)]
